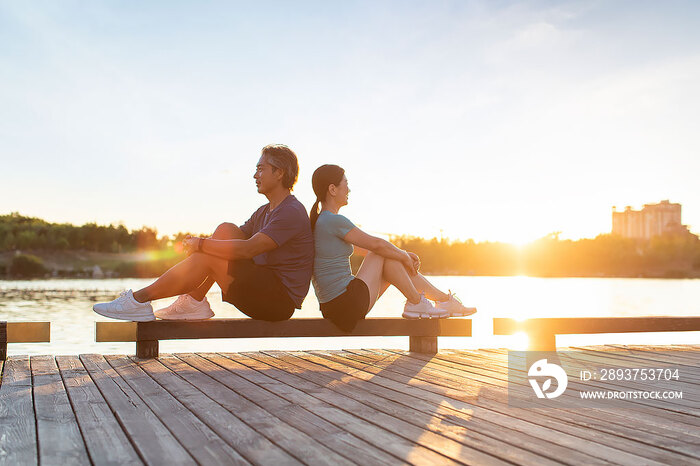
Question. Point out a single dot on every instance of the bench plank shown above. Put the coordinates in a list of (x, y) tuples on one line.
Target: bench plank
[(423, 333), (605, 447), (205, 446), (104, 437), (242, 394), (60, 441), (402, 407), (586, 325), (146, 432), (28, 332), (18, 443), (384, 413), (542, 332), (384, 437), (616, 435), (497, 369), (22, 332), (513, 419), (247, 441), (490, 422), (250, 328)]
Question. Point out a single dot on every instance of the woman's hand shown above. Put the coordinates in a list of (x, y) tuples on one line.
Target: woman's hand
[(416, 261), (408, 263)]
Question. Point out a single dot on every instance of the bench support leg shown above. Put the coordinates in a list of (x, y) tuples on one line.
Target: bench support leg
[(146, 349), (422, 344), (542, 341), (3, 341)]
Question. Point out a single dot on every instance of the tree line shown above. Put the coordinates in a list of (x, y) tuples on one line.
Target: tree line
[(18, 232), (605, 255)]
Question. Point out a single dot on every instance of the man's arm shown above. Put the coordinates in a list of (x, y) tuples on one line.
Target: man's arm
[(232, 249)]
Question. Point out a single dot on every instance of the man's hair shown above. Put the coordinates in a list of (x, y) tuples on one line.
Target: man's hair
[(283, 158)]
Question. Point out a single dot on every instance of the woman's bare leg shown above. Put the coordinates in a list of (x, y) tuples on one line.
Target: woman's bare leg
[(431, 291), (223, 231), (378, 272), (371, 273), (396, 274), (185, 276)]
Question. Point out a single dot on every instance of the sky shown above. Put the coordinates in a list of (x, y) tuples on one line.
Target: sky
[(491, 120)]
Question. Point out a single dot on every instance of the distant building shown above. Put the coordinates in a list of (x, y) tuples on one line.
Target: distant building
[(663, 218)]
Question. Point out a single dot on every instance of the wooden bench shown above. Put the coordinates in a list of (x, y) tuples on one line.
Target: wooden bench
[(23, 332), (542, 332), (422, 333)]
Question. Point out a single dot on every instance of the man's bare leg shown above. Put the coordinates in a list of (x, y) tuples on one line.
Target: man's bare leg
[(185, 276), (223, 231)]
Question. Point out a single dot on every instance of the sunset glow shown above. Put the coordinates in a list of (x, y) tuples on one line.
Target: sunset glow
[(501, 122)]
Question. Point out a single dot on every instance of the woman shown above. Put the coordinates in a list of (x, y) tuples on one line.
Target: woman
[(345, 299)]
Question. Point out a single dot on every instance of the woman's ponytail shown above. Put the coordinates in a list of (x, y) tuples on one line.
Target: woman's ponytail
[(323, 177), (314, 214)]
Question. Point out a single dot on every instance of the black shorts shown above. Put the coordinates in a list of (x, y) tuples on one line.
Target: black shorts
[(348, 308), (258, 292)]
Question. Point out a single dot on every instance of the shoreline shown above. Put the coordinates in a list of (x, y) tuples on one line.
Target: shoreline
[(153, 263)]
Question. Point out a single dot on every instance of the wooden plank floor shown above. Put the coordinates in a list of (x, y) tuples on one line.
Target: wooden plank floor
[(327, 407)]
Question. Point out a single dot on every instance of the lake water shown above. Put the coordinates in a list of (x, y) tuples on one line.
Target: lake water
[(67, 304)]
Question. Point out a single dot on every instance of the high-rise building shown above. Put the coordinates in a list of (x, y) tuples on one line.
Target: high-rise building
[(652, 220)]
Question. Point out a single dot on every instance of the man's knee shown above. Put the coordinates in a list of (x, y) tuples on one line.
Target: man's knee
[(228, 231)]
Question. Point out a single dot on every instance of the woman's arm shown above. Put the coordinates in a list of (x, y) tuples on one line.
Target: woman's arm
[(231, 249), (380, 246)]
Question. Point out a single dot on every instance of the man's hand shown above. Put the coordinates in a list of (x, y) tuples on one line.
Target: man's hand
[(189, 244)]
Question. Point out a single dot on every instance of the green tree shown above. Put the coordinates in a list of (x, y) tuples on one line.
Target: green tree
[(27, 266)]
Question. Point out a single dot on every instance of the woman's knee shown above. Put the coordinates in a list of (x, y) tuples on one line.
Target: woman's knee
[(392, 263), (373, 256)]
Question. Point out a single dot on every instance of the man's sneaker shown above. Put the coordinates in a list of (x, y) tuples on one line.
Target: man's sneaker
[(424, 309), (455, 307), (186, 307), (125, 307)]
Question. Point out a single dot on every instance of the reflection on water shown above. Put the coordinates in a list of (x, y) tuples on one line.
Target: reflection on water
[(67, 304)]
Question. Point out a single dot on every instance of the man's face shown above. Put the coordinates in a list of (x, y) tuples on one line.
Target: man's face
[(266, 176)]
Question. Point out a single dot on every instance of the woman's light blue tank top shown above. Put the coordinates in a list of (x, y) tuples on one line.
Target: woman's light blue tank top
[(332, 271)]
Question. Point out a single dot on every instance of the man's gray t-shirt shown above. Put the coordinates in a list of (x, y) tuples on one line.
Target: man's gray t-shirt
[(292, 261)]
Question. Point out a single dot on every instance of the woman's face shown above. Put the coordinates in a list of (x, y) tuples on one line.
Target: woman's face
[(341, 192)]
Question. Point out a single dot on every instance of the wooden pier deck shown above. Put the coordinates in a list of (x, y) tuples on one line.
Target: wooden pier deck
[(323, 407)]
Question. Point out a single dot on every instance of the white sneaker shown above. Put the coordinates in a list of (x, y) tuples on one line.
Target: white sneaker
[(424, 309), (454, 306), (125, 307), (186, 307)]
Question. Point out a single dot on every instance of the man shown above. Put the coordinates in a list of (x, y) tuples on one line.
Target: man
[(263, 268)]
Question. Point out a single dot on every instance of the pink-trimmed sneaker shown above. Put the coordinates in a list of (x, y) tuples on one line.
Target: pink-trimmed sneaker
[(424, 309), (186, 307), (454, 306)]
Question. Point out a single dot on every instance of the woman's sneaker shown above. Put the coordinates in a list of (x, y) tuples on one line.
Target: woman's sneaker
[(125, 307), (424, 309), (186, 307), (454, 307)]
